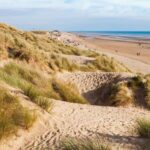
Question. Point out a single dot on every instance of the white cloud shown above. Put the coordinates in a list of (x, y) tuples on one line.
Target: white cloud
[(88, 7)]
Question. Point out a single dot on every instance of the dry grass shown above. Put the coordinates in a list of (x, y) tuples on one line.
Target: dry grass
[(121, 95), (147, 87), (59, 63), (135, 91), (32, 48), (68, 92), (13, 115), (31, 82), (84, 144), (107, 64), (38, 87), (143, 128)]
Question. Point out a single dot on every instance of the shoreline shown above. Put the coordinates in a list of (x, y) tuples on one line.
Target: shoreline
[(130, 53), (131, 48), (141, 40)]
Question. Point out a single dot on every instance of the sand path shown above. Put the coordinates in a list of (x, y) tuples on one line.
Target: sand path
[(74, 120)]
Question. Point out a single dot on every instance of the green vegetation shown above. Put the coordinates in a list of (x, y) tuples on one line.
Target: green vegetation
[(13, 115), (37, 87), (143, 128), (83, 144), (31, 82)]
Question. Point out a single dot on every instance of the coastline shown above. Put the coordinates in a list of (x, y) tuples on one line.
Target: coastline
[(132, 54), (120, 37), (129, 47)]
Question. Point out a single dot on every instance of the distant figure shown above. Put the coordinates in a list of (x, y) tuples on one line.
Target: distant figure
[(138, 54), (140, 44)]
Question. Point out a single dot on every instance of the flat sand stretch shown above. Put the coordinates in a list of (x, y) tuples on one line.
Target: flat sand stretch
[(124, 48), (134, 54)]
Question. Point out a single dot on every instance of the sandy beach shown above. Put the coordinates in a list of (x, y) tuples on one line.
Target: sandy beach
[(132, 52), (129, 48)]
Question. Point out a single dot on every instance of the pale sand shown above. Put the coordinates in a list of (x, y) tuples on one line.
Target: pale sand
[(87, 81), (94, 85), (112, 125), (78, 59)]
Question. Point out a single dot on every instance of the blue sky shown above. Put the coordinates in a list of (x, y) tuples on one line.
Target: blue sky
[(76, 15)]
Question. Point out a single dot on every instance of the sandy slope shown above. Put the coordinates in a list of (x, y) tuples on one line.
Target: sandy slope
[(114, 125), (94, 86), (87, 81)]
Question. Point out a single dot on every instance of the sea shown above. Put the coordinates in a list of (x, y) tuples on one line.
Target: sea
[(116, 34)]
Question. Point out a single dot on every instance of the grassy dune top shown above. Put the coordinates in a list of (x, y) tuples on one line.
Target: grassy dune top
[(46, 53)]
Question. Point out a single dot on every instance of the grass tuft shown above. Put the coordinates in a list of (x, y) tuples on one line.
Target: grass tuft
[(68, 92), (30, 82), (147, 88), (44, 103), (13, 115), (83, 144), (120, 95), (143, 128), (107, 64)]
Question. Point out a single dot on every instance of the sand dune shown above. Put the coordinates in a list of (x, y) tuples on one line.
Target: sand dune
[(114, 125), (93, 85)]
